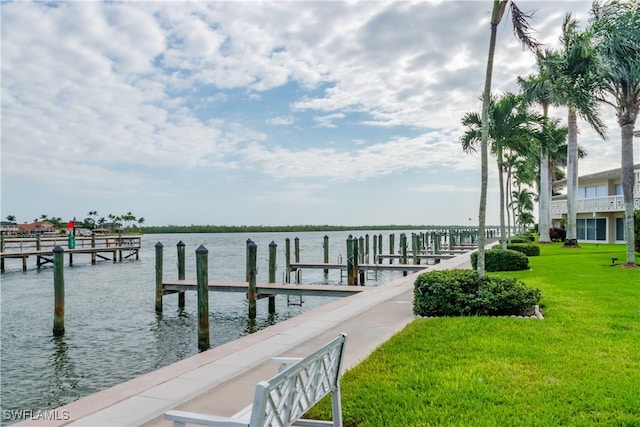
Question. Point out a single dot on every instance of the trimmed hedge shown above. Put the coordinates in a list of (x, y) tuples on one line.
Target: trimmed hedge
[(464, 293), (520, 239), (526, 248), (499, 259)]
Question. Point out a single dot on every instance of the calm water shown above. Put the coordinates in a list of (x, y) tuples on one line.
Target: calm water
[(112, 333)]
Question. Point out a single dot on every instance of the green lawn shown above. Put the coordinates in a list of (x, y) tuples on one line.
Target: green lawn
[(580, 366)]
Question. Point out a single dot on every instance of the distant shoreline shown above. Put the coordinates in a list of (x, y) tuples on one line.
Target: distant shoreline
[(166, 229)]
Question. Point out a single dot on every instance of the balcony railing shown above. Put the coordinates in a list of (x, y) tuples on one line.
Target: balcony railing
[(596, 204)]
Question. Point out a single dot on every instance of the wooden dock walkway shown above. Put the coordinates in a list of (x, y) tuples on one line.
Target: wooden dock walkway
[(421, 256), (264, 289), (105, 248), (361, 267)]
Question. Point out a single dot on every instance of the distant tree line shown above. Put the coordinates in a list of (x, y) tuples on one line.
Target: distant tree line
[(91, 221), (283, 228)]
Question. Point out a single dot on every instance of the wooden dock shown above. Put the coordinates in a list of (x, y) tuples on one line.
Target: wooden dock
[(264, 289), (361, 267), (421, 256), (105, 248)]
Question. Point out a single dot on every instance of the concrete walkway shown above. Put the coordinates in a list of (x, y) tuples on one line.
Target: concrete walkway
[(222, 380)]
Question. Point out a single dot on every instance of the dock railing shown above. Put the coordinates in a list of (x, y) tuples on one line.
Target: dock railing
[(29, 244)]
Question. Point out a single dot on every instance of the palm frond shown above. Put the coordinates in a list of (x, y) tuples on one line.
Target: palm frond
[(522, 29)]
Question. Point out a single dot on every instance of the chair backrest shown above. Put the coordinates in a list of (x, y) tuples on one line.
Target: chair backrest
[(284, 398)]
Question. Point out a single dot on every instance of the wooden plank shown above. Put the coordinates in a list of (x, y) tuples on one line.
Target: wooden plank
[(361, 267), (265, 289), (421, 256), (49, 252)]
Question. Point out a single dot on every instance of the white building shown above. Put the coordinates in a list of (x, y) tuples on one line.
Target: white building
[(600, 206)]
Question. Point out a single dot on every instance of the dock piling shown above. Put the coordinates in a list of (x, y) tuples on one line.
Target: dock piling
[(181, 271), (247, 258), (350, 261), (251, 296), (58, 289), (202, 274), (325, 246), (273, 247), (375, 248), (93, 245), (366, 248), (392, 244), (287, 256), (158, 277), (360, 258), (403, 250), (296, 254)]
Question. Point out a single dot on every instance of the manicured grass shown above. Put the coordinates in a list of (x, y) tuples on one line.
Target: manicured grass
[(580, 366)]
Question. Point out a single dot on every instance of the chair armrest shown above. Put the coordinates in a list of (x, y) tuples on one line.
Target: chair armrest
[(284, 361), (183, 417)]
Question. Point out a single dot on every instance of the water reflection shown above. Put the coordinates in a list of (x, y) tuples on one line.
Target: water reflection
[(63, 380), (253, 325), (170, 341)]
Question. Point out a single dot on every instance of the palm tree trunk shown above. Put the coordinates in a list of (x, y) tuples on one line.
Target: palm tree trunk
[(499, 7), (503, 234), (484, 156), (510, 210), (628, 173), (544, 198), (572, 178)]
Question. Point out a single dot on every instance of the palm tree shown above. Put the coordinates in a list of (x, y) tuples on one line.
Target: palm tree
[(553, 138), (527, 218), (11, 218), (523, 33), (522, 177), (573, 71), (522, 203), (616, 36), (539, 89), (508, 129), (92, 218)]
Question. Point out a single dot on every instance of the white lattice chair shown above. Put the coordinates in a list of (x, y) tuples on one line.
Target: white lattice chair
[(283, 399)]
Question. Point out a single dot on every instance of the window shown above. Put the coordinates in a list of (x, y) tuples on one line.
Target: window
[(592, 192), (592, 228), (617, 190), (620, 229)]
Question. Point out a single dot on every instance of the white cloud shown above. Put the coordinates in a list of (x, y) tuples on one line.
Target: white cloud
[(339, 91), (281, 121), (394, 156), (328, 120)]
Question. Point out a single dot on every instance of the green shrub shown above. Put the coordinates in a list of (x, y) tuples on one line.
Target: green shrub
[(463, 293), (520, 239), (498, 259), (526, 248)]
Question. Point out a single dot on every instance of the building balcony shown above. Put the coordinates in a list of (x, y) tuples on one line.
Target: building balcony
[(596, 204)]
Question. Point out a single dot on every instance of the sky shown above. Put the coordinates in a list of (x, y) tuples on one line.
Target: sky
[(259, 113)]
